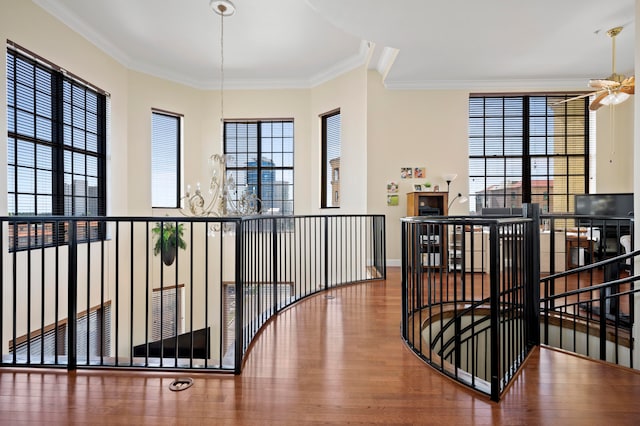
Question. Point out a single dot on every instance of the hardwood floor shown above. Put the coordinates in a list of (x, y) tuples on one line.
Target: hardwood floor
[(327, 360)]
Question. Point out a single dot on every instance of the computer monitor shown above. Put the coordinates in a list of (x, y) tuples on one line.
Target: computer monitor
[(614, 205)]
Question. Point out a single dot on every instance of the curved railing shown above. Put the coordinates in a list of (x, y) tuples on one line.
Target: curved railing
[(465, 313), (301, 256), (476, 315), (94, 292)]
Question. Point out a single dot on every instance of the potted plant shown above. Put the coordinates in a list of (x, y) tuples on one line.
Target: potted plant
[(427, 186), (168, 240)]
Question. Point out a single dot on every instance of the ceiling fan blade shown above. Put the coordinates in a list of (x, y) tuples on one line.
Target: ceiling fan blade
[(629, 81), (631, 89), (603, 83), (564, 101), (629, 85), (596, 103)]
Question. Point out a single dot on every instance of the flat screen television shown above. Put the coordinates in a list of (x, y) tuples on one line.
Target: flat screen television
[(616, 205)]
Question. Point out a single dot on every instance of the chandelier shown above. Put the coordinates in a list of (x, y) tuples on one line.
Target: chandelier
[(222, 197)]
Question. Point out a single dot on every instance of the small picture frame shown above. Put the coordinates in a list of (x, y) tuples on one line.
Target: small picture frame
[(417, 187)]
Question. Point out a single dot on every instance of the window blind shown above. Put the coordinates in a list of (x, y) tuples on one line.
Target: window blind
[(56, 139), (93, 334), (528, 149), (165, 160), (166, 313)]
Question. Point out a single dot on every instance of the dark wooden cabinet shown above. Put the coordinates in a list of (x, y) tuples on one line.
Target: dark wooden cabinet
[(427, 203), (433, 238)]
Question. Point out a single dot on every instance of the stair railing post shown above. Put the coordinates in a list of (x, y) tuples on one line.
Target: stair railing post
[(494, 283), (532, 276), (72, 295)]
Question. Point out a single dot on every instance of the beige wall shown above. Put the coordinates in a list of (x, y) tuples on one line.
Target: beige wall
[(614, 157), (144, 93), (349, 93), (413, 128), (202, 134)]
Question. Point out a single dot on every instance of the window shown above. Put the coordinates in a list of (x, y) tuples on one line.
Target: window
[(166, 312), (165, 160), (260, 161), (528, 149), (55, 150), (93, 334), (331, 144)]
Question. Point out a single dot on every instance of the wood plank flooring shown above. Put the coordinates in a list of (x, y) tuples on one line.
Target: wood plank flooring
[(336, 360)]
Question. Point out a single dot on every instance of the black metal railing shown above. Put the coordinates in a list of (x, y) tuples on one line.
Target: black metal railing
[(587, 285), (568, 241), (583, 302), (84, 299), (465, 313), (589, 310), (301, 256)]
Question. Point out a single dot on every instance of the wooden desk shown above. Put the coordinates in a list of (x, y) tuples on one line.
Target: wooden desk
[(573, 247)]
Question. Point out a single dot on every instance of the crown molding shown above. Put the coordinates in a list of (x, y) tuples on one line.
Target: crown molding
[(343, 66), (520, 84), (68, 18)]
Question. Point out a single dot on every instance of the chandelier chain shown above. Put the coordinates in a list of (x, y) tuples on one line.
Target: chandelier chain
[(222, 73), (222, 196)]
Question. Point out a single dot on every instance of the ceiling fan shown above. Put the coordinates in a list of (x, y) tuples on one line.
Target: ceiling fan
[(612, 90)]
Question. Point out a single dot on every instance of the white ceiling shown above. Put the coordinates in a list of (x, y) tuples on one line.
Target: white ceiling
[(415, 43)]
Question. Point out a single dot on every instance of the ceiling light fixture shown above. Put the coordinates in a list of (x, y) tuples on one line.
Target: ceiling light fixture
[(615, 98), (223, 7), (222, 198)]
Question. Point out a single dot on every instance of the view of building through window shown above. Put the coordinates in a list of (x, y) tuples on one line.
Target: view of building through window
[(56, 150), (260, 161), (528, 149)]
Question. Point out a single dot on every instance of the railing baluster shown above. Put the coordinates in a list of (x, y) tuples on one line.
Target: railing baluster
[(72, 297), (494, 274), (239, 284)]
